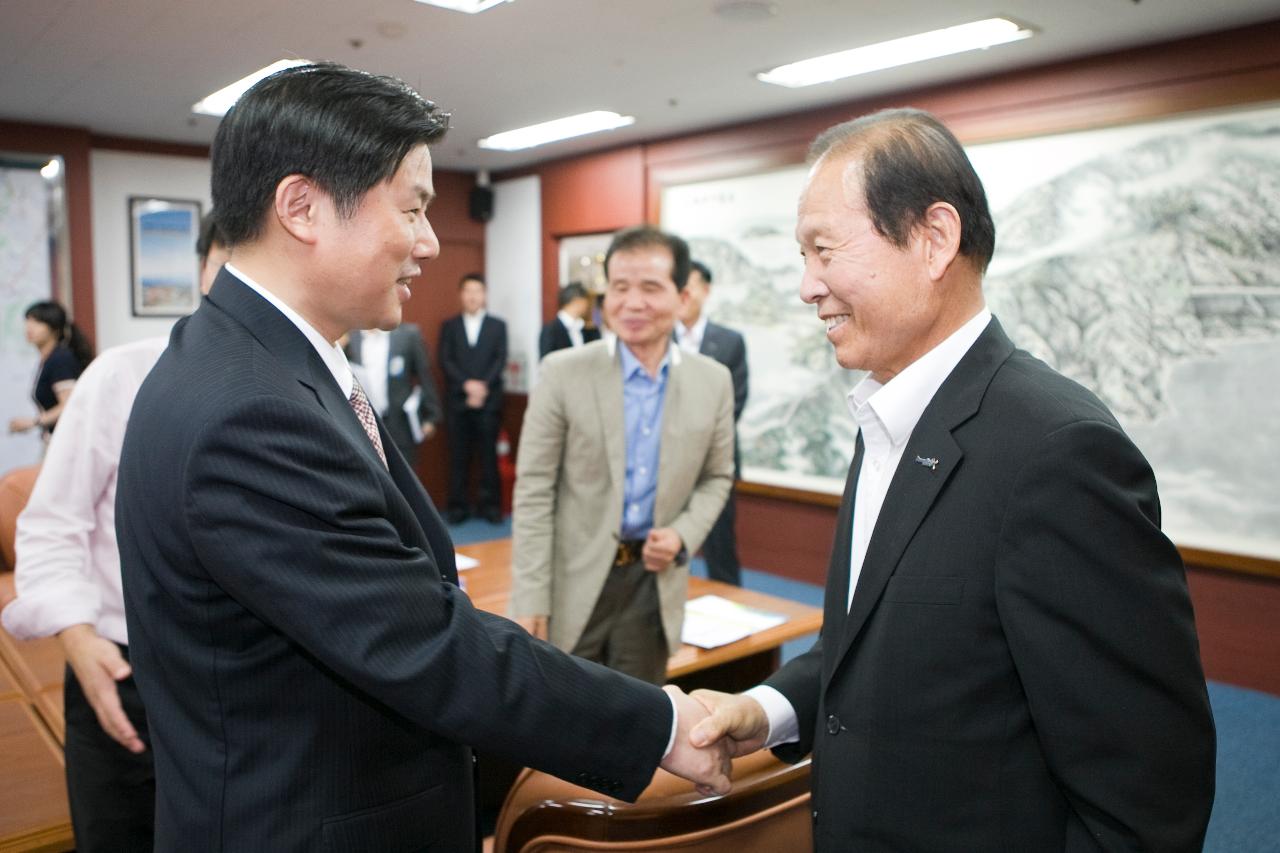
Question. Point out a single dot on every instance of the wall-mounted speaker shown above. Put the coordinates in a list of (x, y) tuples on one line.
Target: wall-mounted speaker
[(481, 204)]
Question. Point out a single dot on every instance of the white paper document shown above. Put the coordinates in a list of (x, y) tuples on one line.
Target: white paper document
[(711, 621), (464, 562)]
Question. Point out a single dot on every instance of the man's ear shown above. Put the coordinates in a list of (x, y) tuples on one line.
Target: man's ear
[(940, 233), (298, 207)]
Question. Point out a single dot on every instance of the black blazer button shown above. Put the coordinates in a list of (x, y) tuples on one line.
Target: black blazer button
[(833, 725)]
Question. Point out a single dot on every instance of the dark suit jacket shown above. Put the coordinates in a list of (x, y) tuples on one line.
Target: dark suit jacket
[(555, 336), (728, 347), (461, 361), (1019, 670), (310, 668), (407, 367)]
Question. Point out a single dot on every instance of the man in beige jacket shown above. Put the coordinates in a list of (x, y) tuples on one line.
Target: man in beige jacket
[(625, 461)]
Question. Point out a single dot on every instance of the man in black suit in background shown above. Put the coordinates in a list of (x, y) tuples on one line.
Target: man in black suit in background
[(568, 328), (473, 354), (696, 333), (1008, 658), (395, 365), (312, 673)]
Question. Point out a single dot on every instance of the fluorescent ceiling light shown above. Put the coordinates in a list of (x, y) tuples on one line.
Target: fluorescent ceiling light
[(222, 100), (554, 131), (468, 6), (903, 51)]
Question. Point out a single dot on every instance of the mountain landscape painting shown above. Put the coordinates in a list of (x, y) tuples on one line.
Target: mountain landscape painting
[(1142, 261)]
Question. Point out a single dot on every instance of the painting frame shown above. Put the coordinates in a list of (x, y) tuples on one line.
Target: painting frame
[(1236, 556), (164, 270)]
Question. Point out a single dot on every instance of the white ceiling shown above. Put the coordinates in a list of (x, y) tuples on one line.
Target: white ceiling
[(134, 67)]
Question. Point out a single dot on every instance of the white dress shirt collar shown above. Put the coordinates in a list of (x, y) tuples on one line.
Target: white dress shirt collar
[(897, 405), (690, 337), (334, 358), (471, 323), (573, 325)]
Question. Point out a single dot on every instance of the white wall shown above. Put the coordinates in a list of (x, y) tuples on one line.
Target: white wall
[(116, 175), (513, 267)]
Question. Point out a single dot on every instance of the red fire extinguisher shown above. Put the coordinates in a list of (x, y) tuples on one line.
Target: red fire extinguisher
[(506, 470)]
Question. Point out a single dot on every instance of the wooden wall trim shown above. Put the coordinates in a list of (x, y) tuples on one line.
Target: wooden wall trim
[(148, 146)]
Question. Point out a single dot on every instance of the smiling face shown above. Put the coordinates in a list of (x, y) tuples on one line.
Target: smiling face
[(369, 259), (877, 300), (642, 300)]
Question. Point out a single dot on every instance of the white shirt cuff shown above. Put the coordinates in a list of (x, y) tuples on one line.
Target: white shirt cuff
[(675, 724), (783, 726)]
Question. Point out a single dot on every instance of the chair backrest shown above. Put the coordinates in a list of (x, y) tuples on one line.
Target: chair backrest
[(15, 488), (768, 810)]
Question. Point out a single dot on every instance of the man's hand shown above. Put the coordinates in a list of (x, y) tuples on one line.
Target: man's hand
[(660, 548), (477, 391), (98, 665), (21, 424), (535, 625), (737, 721), (708, 768), (428, 430)]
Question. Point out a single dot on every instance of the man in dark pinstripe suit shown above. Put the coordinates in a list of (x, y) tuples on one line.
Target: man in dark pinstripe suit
[(311, 670)]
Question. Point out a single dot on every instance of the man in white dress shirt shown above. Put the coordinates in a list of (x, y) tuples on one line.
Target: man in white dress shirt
[(68, 584)]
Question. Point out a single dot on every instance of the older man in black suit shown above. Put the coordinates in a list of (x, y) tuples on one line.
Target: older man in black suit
[(1008, 658), (312, 673)]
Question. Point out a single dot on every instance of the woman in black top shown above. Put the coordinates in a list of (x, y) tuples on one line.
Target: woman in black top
[(64, 353)]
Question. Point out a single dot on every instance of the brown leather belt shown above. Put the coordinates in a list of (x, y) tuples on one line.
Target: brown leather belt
[(629, 551)]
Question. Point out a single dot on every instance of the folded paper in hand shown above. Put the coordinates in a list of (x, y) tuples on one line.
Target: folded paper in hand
[(711, 621)]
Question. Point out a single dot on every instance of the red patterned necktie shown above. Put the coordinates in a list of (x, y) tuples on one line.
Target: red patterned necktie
[(360, 404)]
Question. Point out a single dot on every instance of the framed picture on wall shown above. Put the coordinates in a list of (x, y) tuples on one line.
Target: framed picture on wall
[(164, 270)]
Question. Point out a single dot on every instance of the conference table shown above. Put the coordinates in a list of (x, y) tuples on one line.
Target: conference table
[(735, 666), (33, 806)]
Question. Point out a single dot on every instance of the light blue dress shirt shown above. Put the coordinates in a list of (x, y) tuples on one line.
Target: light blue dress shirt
[(643, 399)]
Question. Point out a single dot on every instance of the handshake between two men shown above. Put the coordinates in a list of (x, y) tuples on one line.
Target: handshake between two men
[(712, 729)]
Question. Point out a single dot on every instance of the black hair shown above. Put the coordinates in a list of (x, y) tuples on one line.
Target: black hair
[(570, 292), (67, 333), (210, 235), (646, 236), (473, 276), (702, 270), (910, 160), (346, 130)]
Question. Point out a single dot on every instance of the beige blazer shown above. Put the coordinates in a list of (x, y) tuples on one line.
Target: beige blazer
[(570, 474)]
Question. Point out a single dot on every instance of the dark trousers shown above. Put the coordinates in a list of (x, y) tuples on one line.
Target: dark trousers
[(473, 433), (112, 791), (720, 549), (625, 629)]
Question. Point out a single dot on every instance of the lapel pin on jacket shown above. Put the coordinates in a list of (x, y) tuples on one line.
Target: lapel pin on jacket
[(929, 462)]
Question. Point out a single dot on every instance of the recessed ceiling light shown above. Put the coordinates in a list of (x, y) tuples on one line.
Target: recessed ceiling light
[(901, 51), (222, 100), (468, 6), (554, 131), (49, 171)]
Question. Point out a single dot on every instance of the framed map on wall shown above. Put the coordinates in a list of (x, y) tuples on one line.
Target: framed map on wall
[(1141, 260)]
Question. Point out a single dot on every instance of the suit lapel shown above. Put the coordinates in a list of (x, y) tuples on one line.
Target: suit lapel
[(608, 400), (837, 591), (279, 336), (710, 341), (915, 485)]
